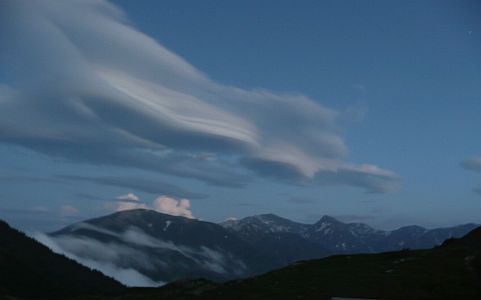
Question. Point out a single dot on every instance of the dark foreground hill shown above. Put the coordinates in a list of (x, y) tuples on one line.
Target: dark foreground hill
[(30, 270), (451, 271)]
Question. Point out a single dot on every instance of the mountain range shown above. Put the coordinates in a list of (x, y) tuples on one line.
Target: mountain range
[(450, 271), (29, 270), (336, 237), (144, 247)]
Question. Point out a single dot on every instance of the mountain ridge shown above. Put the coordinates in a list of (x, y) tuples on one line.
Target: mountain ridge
[(166, 248), (338, 237), (449, 271)]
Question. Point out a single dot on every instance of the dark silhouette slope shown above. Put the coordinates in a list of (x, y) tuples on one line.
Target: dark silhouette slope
[(30, 270)]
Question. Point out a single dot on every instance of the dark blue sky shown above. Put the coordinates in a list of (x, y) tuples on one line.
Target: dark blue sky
[(402, 80)]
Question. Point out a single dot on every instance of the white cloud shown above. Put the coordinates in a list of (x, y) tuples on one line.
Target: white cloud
[(103, 257), (129, 201), (113, 95), (128, 197), (122, 206), (163, 204), (171, 206), (125, 259)]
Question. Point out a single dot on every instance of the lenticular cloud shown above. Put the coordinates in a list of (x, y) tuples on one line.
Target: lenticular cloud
[(86, 85)]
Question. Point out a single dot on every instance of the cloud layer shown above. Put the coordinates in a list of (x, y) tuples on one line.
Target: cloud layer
[(106, 262), (139, 184), (131, 255), (88, 86)]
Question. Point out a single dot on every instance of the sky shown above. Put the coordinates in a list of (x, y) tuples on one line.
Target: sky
[(368, 111)]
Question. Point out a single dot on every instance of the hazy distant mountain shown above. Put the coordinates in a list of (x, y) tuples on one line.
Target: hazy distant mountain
[(28, 269), (282, 239), (336, 237), (162, 247), (144, 247), (451, 271), (264, 224)]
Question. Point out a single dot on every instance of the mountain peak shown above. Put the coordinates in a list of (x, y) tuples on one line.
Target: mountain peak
[(264, 223), (141, 214), (472, 239), (329, 219)]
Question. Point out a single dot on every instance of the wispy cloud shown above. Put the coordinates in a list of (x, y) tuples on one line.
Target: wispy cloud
[(107, 263), (129, 197), (472, 164), (68, 210), (150, 186), (129, 203), (23, 178), (113, 95), (123, 255)]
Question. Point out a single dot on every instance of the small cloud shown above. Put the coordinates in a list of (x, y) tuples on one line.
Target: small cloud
[(40, 209), (68, 210), (171, 206), (131, 205), (128, 197), (163, 204), (88, 196), (129, 201), (472, 164), (155, 187)]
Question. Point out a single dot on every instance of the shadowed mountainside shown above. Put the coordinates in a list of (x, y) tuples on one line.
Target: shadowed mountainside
[(451, 271), (165, 248), (29, 269)]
